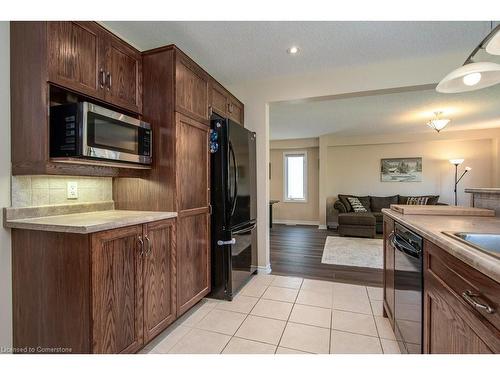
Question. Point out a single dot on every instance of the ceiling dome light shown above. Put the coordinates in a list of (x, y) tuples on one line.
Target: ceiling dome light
[(472, 79), (493, 46), (293, 50), (463, 79), (438, 123)]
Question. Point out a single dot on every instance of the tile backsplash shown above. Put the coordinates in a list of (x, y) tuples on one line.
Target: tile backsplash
[(30, 191)]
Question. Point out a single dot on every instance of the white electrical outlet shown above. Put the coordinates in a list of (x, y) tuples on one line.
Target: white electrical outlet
[(72, 190)]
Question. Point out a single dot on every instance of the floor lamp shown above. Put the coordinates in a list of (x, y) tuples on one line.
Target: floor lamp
[(456, 163)]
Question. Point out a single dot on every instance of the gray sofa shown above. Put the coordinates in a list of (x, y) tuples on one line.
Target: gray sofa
[(364, 224)]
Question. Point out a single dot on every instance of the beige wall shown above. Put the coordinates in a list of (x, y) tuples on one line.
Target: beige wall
[(356, 169), (295, 212), (353, 164), (5, 253)]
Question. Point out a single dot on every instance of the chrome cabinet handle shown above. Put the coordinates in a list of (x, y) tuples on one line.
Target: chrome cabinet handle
[(108, 75), (102, 78), (232, 241), (141, 243), (469, 297), (149, 248)]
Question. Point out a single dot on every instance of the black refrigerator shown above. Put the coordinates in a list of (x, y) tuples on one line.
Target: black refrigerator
[(234, 206)]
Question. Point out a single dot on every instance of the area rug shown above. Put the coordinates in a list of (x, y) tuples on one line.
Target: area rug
[(356, 252)]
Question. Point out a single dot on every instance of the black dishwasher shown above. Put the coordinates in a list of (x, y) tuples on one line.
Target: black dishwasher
[(408, 289)]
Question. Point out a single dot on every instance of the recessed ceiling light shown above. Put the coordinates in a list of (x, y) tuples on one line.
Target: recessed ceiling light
[(293, 50)]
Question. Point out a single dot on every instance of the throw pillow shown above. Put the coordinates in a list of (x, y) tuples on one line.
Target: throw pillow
[(356, 204), (417, 200)]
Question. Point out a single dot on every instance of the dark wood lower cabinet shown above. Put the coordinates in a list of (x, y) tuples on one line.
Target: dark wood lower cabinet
[(117, 300), (159, 278), (193, 259), (453, 323), (98, 293)]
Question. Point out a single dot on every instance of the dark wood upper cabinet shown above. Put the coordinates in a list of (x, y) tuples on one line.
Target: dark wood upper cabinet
[(60, 62), (159, 278), (123, 74), (75, 56), (225, 104), (219, 99), (87, 59), (388, 270), (235, 110), (117, 305), (191, 90)]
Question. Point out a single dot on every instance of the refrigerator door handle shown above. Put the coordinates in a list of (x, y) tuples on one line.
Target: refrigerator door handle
[(233, 156), (247, 229), (232, 241)]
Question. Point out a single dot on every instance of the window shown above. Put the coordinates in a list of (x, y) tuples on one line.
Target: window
[(295, 176)]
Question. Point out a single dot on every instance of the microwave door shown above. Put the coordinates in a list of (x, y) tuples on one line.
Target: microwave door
[(112, 136)]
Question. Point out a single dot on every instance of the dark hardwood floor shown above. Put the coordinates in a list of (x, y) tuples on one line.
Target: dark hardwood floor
[(297, 251)]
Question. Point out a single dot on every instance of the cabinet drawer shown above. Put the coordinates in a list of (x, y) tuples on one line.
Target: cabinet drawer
[(460, 278)]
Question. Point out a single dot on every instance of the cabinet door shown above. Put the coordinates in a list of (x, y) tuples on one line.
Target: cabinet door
[(192, 164), (219, 99), (388, 269), (117, 304), (452, 324), (191, 89), (193, 258), (446, 332), (74, 56), (159, 277), (123, 75), (235, 110)]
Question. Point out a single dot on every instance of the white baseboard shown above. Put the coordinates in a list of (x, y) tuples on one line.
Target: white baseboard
[(322, 226), (296, 222), (264, 269)]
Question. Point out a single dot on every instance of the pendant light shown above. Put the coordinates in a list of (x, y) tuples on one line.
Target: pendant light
[(474, 75), (469, 77), (438, 123), (493, 46)]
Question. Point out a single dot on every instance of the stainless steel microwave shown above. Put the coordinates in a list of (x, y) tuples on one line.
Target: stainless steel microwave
[(88, 131)]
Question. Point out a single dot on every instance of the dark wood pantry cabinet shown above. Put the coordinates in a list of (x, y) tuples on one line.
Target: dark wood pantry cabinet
[(176, 105), (106, 292)]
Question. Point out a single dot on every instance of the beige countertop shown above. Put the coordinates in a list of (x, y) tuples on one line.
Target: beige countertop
[(88, 222), (483, 190), (432, 226)]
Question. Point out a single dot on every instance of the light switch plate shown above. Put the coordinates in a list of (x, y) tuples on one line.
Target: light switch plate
[(72, 190)]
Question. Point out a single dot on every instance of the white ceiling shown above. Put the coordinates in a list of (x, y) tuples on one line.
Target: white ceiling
[(394, 113), (235, 52)]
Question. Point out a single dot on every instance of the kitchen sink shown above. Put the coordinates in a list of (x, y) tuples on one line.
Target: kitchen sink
[(487, 242)]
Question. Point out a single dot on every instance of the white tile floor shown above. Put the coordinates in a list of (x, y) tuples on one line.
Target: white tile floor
[(284, 315)]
